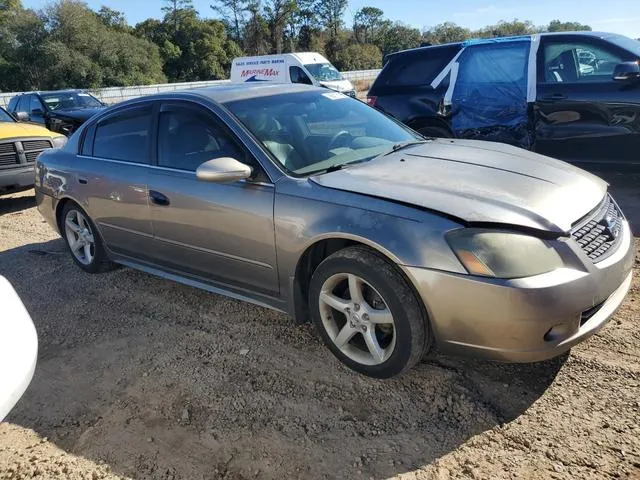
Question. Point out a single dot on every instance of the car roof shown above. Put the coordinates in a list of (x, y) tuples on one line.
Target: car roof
[(45, 92), (230, 92), (519, 37)]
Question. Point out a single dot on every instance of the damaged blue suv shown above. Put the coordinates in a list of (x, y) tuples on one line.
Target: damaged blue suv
[(573, 96)]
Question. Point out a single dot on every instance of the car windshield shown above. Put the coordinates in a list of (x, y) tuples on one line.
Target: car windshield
[(315, 131), (64, 100), (5, 117), (323, 72), (626, 43)]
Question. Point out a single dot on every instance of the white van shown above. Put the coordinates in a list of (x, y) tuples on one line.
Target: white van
[(304, 67)]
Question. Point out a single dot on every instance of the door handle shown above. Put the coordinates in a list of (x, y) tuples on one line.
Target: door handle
[(555, 96), (158, 198), (83, 181)]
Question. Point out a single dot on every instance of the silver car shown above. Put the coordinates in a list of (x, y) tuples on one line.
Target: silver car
[(310, 202)]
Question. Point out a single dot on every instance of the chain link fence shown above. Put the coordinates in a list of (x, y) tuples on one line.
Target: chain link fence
[(113, 95)]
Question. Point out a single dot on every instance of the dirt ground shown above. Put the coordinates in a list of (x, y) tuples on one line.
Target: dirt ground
[(144, 378)]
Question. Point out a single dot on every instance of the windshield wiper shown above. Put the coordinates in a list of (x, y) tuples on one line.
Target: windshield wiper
[(409, 143)]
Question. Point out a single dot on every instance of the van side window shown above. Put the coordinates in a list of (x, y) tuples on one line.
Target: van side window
[(579, 61), (298, 76)]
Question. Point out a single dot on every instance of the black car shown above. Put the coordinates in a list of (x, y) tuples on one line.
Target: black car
[(574, 96), (60, 111)]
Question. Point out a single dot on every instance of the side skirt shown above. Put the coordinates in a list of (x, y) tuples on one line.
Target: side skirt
[(198, 282)]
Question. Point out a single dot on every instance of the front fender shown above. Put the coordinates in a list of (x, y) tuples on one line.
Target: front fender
[(306, 213)]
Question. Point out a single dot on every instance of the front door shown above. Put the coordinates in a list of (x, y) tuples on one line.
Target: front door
[(218, 232), (582, 114)]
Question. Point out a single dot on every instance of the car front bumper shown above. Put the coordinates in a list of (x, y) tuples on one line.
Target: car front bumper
[(15, 179), (18, 348), (525, 319)]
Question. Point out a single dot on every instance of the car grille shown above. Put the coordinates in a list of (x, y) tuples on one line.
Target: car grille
[(599, 234), (38, 145), (11, 153), (8, 154), (33, 148)]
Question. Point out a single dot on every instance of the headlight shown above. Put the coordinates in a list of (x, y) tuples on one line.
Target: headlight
[(498, 254), (59, 142)]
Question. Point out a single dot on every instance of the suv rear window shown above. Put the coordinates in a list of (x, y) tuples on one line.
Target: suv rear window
[(416, 68)]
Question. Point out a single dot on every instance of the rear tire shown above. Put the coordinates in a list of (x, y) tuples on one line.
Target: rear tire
[(367, 314), (83, 240)]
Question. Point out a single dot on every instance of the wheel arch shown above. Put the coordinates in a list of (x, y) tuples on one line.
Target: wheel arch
[(322, 247), (422, 123)]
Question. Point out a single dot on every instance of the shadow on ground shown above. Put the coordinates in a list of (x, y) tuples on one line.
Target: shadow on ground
[(11, 204), (162, 381)]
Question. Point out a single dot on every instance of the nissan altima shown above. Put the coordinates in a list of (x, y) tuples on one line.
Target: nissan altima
[(310, 202)]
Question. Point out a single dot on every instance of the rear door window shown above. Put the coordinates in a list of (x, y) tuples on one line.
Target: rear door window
[(125, 136), (417, 68)]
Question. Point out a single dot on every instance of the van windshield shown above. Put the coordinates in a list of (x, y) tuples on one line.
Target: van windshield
[(627, 43), (323, 72)]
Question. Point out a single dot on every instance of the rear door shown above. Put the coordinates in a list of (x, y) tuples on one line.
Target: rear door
[(215, 231), (583, 115), (488, 95), (111, 178)]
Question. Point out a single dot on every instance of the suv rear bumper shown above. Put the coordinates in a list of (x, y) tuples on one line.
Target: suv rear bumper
[(16, 179)]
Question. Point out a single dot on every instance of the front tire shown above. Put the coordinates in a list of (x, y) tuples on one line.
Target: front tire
[(367, 314), (83, 240)]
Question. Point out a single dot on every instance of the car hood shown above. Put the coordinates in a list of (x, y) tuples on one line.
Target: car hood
[(82, 114), (23, 129), (477, 182), (338, 85)]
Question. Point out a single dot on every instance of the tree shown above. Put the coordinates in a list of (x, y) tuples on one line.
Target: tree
[(233, 13), (358, 56), (507, 29), (278, 14), (113, 19), (365, 22), (558, 26), (447, 32), (393, 37), (330, 13), (256, 31), (175, 10)]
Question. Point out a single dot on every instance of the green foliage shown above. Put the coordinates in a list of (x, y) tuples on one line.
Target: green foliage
[(393, 37), (447, 32), (69, 45), (558, 26), (365, 22), (358, 56)]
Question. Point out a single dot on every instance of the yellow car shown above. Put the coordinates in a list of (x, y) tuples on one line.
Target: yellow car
[(20, 144)]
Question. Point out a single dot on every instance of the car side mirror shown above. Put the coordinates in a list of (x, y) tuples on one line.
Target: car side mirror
[(626, 71), (21, 116), (223, 169), (37, 111)]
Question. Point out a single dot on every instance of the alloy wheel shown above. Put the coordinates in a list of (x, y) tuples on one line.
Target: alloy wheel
[(357, 319), (79, 237)]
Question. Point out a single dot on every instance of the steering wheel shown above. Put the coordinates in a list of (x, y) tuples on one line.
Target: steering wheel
[(342, 134)]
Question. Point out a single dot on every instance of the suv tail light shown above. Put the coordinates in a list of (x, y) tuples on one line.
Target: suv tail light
[(371, 101)]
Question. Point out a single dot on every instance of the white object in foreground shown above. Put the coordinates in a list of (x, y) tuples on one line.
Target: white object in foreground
[(18, 347)]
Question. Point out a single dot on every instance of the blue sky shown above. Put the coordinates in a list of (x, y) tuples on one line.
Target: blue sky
[(619, 16)]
